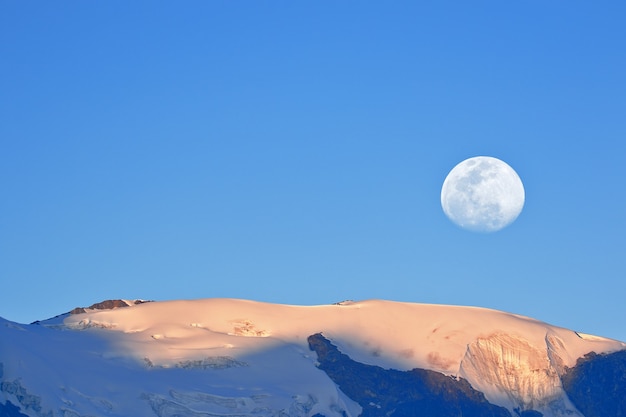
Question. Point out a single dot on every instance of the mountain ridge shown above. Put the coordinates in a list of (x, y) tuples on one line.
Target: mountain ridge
[(254, 348)]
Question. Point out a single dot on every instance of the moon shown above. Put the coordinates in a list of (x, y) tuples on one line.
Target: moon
[(482, 194)]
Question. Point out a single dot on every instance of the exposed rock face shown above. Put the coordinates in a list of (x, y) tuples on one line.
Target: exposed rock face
[(107, 305), (9, 410), (415, 393), (597, 384), (26, 400)]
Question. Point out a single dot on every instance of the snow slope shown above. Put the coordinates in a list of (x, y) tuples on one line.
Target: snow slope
[(238, 357)]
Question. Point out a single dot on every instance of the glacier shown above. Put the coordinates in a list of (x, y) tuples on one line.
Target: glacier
[(229, 357)]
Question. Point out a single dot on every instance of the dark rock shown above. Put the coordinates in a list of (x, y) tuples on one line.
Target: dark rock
[(10, 410), (529, 413), (26, 399), (106, 305), (597, 384), (415, 393)]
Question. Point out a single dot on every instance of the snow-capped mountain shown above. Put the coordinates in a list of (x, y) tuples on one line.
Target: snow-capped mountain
[(227, 357)]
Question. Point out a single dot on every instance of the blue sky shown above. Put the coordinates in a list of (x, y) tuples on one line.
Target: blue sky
[(294, 152)]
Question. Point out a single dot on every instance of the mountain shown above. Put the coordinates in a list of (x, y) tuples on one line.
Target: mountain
[(227, 357)]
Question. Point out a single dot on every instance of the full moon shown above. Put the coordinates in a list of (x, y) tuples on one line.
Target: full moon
[(482, 194)]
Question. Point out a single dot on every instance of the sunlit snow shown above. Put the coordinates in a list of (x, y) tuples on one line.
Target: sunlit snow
[(227, 356)]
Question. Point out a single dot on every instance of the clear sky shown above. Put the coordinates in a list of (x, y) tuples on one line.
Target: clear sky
[(294, 152)]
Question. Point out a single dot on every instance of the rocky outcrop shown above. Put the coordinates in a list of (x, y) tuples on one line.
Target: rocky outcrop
[(107, 305), (415, 393), (597, 384), (26, 400), (10, 410)]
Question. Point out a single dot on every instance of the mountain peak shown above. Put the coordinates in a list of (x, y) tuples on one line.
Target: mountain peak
[(241, 357), (107, 305)]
